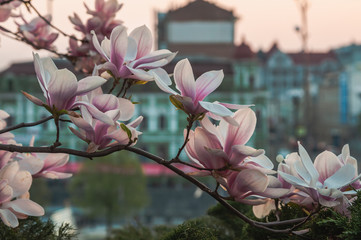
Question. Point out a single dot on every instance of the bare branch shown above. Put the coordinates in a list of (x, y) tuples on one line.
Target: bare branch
[(48, 22), (22, 125), (159, 160)]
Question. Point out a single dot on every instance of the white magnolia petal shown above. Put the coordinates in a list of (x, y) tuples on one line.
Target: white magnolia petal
[(95, 112), (31, 164), (141, 74), (345, 153), (9, 218), (26, 206), (88, 84), (307, 162), (118, 45), (98, 47), (262, 160), (184, 79), (127, 109), (216, 108), (144, 40), (341, 178), (302, 172), (327, 203), (293, 180), (207, 83), (136, 122), (62, 88), (327, 163), (162, 80), (131, 50), (162, 74)]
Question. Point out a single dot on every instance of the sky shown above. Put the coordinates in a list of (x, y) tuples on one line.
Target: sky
[(332, 23)]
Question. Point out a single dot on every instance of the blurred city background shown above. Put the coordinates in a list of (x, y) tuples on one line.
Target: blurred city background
[(308, 94)]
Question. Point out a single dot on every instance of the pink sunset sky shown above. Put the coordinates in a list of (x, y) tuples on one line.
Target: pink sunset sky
[(332, 23)]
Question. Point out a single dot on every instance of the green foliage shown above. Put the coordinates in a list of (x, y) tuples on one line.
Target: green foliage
[(328, 224), (353, 228), (110, 187), (234, 225), (206, 228), (33, 228), (221, 224), (140, 233)]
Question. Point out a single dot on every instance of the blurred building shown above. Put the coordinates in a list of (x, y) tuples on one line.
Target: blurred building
[(284, 74), (199, 28)]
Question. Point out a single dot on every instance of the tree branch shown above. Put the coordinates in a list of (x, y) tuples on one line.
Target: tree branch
[(159, 160), (22, 125), (48, 22)]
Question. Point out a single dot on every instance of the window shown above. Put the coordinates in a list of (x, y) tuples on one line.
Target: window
[(162, 122)]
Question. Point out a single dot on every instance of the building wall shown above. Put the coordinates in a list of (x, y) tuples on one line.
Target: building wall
[(200, 32)]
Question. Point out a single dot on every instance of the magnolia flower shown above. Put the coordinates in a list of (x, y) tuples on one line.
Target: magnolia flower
[(102, 22), (5, 10), (246, 183), (37, 31), (345, 158), (14, 196), (131, 56), (106, 10), (192, 92), (99, 135), (45, 165), (61, 89), (224, 146), (123, 109), (322, 180), (5, 138)]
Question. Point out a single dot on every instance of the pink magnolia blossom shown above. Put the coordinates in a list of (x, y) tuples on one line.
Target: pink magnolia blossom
[(346, 158), (46, 165), (105, 10), (193, 92), (5, 10), (14, 196), (123, 109), (323, 180), (224, 146), (102, 22), (38, 33), (100, 135), (246, 183), (5, 138), (131, 56), (61, 89)]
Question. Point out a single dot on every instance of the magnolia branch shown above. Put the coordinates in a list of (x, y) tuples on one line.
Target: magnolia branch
[(9, 1), (18, 37), (191, 119), (28, 3), (159, 160), (22, 125)]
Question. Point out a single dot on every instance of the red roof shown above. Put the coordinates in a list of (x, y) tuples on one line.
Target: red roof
[(312, 58), (200, 10), (149, 169), (243, 51)]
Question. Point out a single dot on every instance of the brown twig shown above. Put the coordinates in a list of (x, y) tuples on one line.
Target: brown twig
[(191, 119), (22, 125), (48, 22)]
